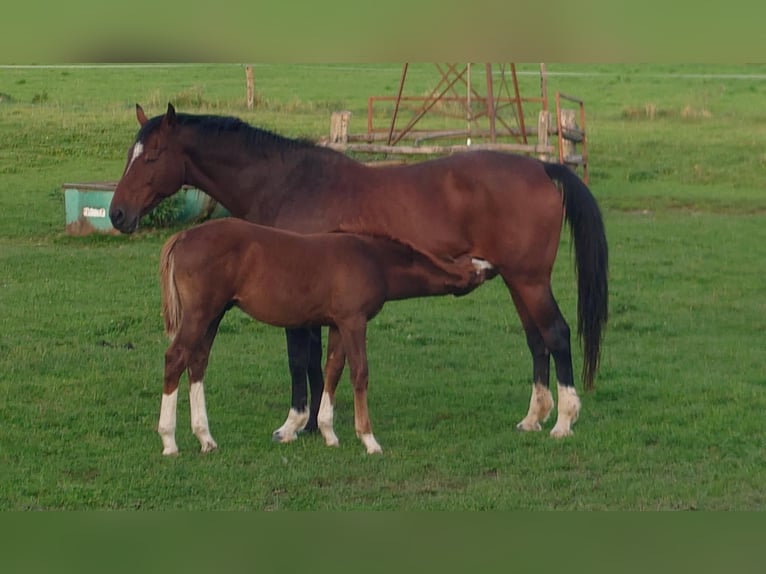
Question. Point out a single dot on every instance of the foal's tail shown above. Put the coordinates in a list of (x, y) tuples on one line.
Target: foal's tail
[(591, 264), (171, 304)]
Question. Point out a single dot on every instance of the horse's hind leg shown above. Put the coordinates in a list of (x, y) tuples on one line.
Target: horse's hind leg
[(197, 366), (176, 360), (541, 401), (316, 379), (336, 360), (353, 336), (181, 353), (542, 308), (298, 348)]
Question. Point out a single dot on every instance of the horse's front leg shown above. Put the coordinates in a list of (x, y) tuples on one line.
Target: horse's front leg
[(298, 346), (336, 360)]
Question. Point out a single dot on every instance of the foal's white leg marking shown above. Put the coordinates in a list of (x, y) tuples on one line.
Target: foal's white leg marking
[(540, 406), (167, 424), (295, 422), (370, 443), (569, 410), (138, 149), (324, 420), (199, 423)]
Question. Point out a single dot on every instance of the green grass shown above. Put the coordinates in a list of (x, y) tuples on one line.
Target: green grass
[(676, 421)]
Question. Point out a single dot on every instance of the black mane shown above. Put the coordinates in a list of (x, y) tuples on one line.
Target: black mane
[(215, 125)]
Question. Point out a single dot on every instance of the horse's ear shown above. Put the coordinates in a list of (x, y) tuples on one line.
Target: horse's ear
[(140, 115), (170, 116)]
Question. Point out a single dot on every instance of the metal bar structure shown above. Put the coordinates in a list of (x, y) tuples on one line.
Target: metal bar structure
[(452, 76), (493, 119)]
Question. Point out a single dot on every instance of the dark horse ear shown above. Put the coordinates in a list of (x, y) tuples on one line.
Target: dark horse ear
[(170, 116), (140, 115)]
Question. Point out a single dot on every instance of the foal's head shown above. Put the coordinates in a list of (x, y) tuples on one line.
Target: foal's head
[(154, 170)]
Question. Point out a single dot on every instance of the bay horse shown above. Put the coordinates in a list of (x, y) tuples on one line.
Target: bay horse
[(289, 280), (504, 208)]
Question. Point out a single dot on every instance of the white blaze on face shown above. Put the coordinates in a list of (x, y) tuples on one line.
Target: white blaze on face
[(138, 149)]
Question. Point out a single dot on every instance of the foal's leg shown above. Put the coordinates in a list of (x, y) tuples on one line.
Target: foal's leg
[(179, 355), (298, 341), (176, 360), (336, 360), (196, 370), (353, 337), (541, 401), (544, 311)]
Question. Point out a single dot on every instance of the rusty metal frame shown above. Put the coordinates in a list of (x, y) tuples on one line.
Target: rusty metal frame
[(498, 96)]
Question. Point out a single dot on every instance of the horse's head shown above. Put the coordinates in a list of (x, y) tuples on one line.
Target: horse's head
[(154, 170)]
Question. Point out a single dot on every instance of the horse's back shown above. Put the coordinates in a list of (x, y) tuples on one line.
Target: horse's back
[(484, 202)]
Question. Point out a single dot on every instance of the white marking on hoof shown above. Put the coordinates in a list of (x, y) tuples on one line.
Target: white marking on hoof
[(199, 422), (208, 445), (528, 425), (167, 425), (569, 411), (295, 422), (325, 421), (370, 444), (540, 407)]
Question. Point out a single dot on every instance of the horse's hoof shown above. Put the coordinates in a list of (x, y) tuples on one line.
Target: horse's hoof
[(561, 433), (283, 438), (330, 438), (370, 444), (528, 427), (208, 447), (170, 452), (311, 427)]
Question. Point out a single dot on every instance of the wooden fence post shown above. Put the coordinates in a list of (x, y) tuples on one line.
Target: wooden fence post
[(339, 126), (543, 121), (250, 87), (568, 123)]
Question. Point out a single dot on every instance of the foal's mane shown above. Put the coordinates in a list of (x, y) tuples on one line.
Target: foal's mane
[(216, 125)]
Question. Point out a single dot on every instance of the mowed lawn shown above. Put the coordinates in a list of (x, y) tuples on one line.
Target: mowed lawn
[(676, 418)]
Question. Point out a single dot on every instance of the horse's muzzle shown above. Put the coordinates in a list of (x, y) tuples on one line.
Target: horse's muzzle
[(121, 222)]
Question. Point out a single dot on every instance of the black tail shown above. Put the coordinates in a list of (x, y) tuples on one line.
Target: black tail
[(591, 264)]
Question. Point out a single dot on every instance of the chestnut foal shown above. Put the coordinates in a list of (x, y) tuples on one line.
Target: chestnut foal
[(289, 280)]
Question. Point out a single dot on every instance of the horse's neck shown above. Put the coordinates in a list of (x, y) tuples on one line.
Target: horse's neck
[(255, 184), (250, 185)]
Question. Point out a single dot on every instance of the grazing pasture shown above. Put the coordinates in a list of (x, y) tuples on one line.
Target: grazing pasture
[(676, 418)]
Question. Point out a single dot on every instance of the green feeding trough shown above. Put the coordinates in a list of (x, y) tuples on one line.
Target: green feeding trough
[(87, 207)]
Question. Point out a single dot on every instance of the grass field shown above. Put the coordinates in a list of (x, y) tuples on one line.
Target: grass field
[(675, 422)]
